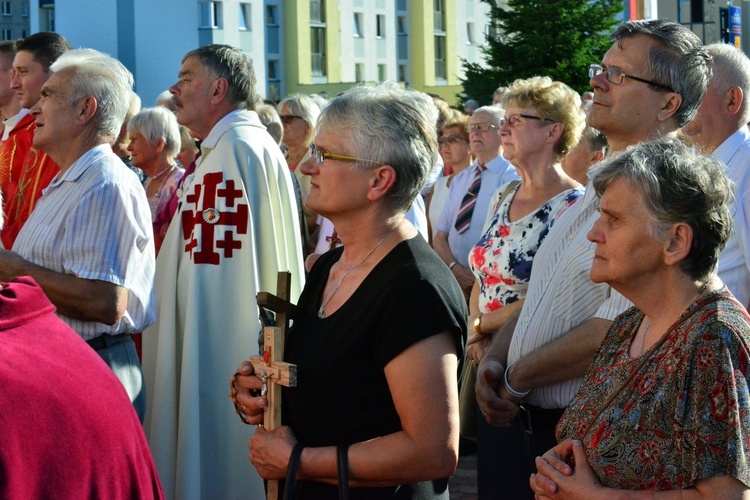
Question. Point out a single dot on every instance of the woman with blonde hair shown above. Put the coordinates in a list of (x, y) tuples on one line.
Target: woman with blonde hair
[(543, 121)]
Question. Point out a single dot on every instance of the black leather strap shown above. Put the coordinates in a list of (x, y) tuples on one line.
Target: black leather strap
[(290, 485), (343, 471)]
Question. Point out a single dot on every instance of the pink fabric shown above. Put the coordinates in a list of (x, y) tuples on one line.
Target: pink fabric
[(69, 430)]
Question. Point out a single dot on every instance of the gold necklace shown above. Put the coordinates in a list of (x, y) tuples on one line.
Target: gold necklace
[(645, 334), (329, 296)]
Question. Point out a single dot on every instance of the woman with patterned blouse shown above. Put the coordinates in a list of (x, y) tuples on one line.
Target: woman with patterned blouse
[(543, 121), (665, 405)]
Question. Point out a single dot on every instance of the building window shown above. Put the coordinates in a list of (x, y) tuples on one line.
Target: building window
[(439, 15), (245, 19), (317, 11), (357, 25), (24, 34), (211, 15), (380, 26), (359, 72), (382, 73), (272, 15), (401, 25), (318, 53), (7, 34), (24, 9), (402, 72), (439, 57), (469, 33), (273, 70), (7, 10)]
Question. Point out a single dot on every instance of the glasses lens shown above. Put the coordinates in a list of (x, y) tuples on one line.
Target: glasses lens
[(595, 70)]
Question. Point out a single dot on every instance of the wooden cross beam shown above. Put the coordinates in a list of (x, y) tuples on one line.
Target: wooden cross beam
[(271, 366)]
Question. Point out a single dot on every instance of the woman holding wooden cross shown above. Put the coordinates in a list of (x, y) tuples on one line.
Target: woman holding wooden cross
[(381, 323)]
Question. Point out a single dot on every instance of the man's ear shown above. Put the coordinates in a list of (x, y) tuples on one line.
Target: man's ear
[(381, 181), (88, 107), (220, 90), (733, 100), (671, 104)]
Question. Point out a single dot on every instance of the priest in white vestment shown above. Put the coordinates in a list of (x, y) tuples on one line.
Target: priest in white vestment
[(235, 228)]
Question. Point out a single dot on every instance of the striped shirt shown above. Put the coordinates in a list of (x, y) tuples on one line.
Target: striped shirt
[(561, 294), (93, 222)]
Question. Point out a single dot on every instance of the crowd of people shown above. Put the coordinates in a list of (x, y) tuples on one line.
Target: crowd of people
[(559, 281)]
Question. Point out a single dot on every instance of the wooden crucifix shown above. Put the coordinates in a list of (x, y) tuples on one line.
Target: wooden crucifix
[(270, 367)]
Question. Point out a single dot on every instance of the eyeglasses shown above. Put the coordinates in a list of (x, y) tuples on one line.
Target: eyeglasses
[(515, 120), (481, 127), (615, 75), (289, 118), (451, 139), (319, 155)]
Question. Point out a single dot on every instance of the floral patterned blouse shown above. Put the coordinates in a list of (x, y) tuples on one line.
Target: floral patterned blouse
[(684, 417), (501, 259)]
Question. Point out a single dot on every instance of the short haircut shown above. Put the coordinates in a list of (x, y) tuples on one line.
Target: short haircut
[(270, 118), (158, 123), (304, 107), (678, 62), (399, 130), (95, 74), (677, 185), (165, 100), (552, 100), (7, 53), (461, 122), (45, 46), (496, 112), (444, 109), (231, 64), (731, 69)]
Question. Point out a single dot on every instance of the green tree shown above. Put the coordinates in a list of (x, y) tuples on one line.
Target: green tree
[(555, 38)]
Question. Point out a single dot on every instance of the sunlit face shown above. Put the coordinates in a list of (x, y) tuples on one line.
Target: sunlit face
[(626, 254), (28, 79), (142, 154), (296, 130), (626, 113), (485, 145), (454, 147), (336, 186), (522, 136), (191, 95), (186, 156), (7, 94), (54, 116)]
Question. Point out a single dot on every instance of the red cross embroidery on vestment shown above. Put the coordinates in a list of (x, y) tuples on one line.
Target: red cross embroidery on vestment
[(200, 227)]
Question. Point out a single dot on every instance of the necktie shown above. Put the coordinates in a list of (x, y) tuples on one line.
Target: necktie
[(463, 220)]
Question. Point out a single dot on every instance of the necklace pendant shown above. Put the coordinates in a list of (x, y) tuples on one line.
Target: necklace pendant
[(322, 312)]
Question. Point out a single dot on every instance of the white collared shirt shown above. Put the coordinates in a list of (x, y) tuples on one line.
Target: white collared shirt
[(10, 123), (734, 262), (93, 222), (561, 295), (499, 172)]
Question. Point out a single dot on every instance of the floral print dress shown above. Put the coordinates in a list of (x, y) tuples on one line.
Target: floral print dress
[(684, 416), (501, 260)]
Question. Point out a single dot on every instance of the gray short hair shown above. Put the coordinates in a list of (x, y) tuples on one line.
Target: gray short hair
[(389, 125), (677, 184), (679, 61), (230, 63), (304, 107), (496, 111), (731, 69), (158, 123), (95, 74)]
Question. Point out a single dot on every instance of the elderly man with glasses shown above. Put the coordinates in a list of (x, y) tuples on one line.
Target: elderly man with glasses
[(462, 220), (551, 343)]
